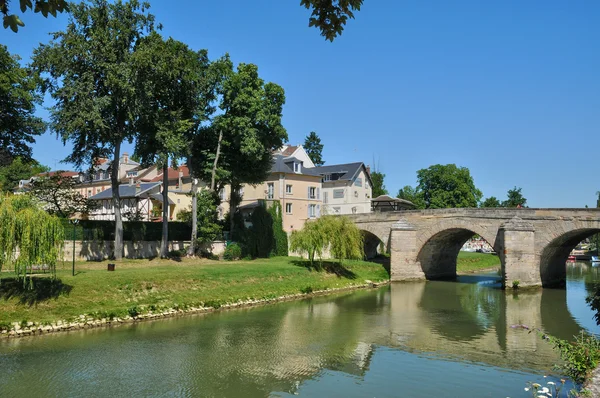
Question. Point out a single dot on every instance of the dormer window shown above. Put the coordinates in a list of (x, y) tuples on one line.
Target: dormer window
[(327, 177), (296, 167)]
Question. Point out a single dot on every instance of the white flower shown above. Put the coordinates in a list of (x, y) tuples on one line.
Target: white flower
[(545, 390), (551, 383), (526, 388)]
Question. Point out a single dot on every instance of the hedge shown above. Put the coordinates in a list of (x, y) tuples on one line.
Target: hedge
[(132, 230)]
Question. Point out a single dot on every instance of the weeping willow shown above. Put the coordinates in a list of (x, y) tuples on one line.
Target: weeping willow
[(29, 237)]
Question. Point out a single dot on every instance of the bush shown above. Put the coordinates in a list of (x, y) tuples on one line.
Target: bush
[(233, 252), (580, 357)]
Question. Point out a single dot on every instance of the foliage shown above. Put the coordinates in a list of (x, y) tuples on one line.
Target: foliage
[(96, 230), (447, 186), (17, 170), (259, 237), (515, 198), (280, 247), (207, 216), (330, 16), (59, 195), (18, 125), (378, 188), (580, 357), (314, 148), (233, 251), (412, 195), (88, 70), (491, 202), (338, 234), (46, 7), (37, 235)]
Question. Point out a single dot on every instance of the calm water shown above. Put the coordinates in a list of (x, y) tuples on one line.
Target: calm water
[(430, 339)]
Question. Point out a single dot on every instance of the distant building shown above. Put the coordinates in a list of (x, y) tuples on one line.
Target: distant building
[(387, 203), (137, 202)]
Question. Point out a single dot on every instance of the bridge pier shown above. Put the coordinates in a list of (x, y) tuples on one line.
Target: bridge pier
[(518, 257), (404, 251)]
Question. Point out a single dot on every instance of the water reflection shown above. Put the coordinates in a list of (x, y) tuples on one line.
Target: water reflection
[(467, 326)]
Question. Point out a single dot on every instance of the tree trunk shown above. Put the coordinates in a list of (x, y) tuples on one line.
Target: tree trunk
[(114, 183), (164, 241), (214, 169), (233, 204), (192, 247)]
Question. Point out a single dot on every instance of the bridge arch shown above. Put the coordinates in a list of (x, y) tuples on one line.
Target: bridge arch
[(556, 246), (438, 246)]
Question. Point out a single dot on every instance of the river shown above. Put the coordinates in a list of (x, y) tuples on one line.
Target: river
[(421, 339)]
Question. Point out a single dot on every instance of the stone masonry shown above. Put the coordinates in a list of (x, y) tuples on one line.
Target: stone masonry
[(533, 244)]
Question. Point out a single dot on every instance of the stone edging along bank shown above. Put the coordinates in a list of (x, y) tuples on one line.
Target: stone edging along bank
[(88, 322)]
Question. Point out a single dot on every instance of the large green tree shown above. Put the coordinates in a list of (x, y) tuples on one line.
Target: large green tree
[(17, 170), (492, 201), (168, 74), (18, 98), (88, 71), (45, 7), (330, 16), (241, 139), (378, 188), (514, 198), (314, 148), (447, 186)]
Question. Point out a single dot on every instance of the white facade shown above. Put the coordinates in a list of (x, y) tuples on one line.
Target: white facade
[(347, 196)]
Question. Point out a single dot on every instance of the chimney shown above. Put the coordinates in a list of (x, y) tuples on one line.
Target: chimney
[(138, 188), (368, 170), (131, 179), (180, 183), (125, 157)]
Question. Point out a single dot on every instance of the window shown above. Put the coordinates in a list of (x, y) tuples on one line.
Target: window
[(270, 190), (325, 197), (356, 194), (358, 182), (288, 189), (296, 167), (222, 194), (354, 210), (312, 193), (89, 193), (288, 208), (338, 193), (337, 210), (327, 177), (312, 211)]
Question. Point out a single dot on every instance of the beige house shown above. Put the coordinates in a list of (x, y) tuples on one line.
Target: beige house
[(347, 188), (296, 187), (98, 178)]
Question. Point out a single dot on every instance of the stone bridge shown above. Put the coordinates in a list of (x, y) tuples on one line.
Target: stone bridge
[(533, 244)]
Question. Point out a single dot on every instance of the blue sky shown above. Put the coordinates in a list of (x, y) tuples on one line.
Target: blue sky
[(509, 89)]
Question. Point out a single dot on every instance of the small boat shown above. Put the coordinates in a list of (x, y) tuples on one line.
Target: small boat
[(571, 259), (595, 259)]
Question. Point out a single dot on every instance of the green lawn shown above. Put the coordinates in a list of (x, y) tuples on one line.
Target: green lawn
[(144, 285), (468, 262)]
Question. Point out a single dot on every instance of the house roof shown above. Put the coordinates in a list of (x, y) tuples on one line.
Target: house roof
[(347, 171), (289, 150), (281, 164), (126, 191), (390, 200), (64, 173), (173, 174)]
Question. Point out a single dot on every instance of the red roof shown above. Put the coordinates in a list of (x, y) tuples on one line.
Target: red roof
[(62, 173), (173, 174), (289, 150)]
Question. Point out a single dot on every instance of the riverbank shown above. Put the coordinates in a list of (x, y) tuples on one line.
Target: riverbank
[(141, 289), (471, 262)]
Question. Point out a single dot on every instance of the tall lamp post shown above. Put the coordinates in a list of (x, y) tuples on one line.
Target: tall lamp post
[(74, 222)]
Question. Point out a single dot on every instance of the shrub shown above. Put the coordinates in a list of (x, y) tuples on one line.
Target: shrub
[(233, 252), (580, 357)]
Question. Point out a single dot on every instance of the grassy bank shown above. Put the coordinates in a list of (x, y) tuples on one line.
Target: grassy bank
[(139, 286), (473, 262)]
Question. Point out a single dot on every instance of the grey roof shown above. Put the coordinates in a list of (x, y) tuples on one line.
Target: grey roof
[(158, 197), (348, 170), (126, 191), (282, 164)]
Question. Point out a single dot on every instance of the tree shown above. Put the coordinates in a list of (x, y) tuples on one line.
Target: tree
[(44, 6), (17, 170), (207, 217), (515, 198), (246, 133), (88, 71), (58, 194), (330, 16), (38, 236), (378, 188), (412, 195), (447, 186), (18, 98), (492, 201), (168, 73), (314, 148)]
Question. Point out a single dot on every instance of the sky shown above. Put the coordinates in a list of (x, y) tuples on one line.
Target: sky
[(508, 89)]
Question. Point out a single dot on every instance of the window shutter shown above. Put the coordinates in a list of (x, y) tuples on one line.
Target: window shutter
[(318, 210), (308, 210), (308, 193), (319, 193)]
